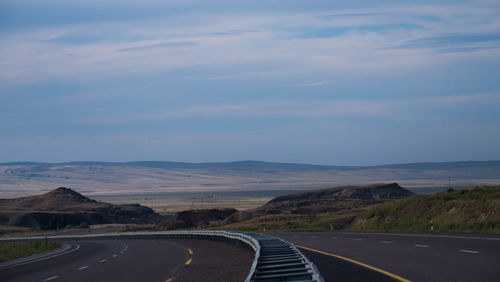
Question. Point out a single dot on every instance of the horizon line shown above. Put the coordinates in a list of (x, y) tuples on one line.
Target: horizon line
[(235, 162)]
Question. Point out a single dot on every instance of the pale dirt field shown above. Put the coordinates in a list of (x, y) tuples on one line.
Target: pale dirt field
[(19, 180), (171, 202)]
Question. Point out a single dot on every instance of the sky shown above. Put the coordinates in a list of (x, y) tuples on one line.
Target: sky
[(323, 82)]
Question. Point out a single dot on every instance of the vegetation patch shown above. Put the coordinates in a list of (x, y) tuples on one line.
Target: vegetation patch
[(15, 250), (474, 210)]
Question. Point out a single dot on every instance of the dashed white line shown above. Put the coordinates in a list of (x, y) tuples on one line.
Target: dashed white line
[(51, 278), (358, 240), (386, 242), (421, 246), (469, 251), (83, 267), (102, 260), (114, 255), (313, 236), (121, 252)]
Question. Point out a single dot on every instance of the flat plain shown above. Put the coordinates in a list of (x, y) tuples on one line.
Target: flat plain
[(169, 187)]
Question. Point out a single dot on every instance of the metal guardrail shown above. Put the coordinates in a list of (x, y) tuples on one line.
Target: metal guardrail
[(274, 260), (279, 260)]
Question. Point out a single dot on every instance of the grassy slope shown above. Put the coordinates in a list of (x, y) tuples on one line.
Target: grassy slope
[(473, 210), (10, 251), (294, 222)]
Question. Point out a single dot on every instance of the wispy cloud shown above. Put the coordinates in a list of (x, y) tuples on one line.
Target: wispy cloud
[(482, 98), (360, 39), (317, 83), (395, 109), (158, 46), (454, 43)]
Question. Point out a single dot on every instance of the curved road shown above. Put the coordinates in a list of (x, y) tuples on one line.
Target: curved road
[(416, 257), (138, 260), (340, 256)]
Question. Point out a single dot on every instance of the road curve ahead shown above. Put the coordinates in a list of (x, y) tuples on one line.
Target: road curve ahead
[(152, 259), (394, 256)]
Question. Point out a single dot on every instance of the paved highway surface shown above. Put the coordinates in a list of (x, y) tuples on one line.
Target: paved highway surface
[(417, 257), (138, 260)]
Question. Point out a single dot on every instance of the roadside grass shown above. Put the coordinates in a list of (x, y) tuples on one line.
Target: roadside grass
[(294, 222), (469, 210), (15, 250)]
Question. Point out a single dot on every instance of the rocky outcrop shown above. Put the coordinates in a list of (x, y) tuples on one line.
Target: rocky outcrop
[(65, 207), (325, 201)]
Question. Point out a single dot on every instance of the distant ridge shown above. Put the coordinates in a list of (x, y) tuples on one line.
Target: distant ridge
[(251, 164), (443, 165)]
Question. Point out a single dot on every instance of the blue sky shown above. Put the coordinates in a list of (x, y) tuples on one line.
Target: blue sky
[(325, 82)]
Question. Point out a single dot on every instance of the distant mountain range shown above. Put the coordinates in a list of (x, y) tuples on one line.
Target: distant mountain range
[(250, 164)]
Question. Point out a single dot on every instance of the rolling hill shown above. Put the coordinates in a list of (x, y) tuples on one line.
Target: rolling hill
[(339, 204)]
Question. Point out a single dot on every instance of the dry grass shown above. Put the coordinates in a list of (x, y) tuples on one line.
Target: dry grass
[(15, 250)]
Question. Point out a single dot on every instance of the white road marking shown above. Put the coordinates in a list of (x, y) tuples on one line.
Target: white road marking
[(103, 260), (313, 236), (82, 267), (51, 278), (121, 252), (358, 240), (114, 255), (386, 242), (421, 246), (469, 251)]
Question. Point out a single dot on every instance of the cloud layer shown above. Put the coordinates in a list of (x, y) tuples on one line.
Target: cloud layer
[(228, 80)]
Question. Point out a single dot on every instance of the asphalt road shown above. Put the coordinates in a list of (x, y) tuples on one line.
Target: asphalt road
[(416, 257), (138, 260)]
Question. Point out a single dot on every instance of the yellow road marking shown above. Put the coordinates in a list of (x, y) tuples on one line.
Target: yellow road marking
[(188, 262), (172, 278), (190, 252), (358, 263)]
